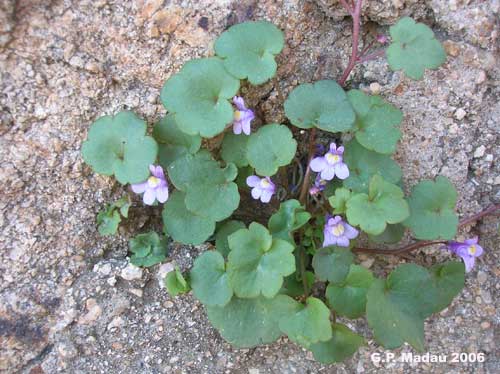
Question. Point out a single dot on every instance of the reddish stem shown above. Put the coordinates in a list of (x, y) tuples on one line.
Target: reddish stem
[(371, 56), (425, 243), (356, 27), (346, 6)]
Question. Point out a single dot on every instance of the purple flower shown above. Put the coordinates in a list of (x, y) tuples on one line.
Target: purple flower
[(262, 188), (468, 250), (318, 186), (154, 188), (331, 164), (382, 39), (242, 117), (338, 232)]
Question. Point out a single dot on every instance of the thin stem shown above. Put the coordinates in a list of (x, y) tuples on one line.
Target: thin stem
[(356, 27), (305, 182), (372, 56), (303, 270), (479, 215), (346, 6)]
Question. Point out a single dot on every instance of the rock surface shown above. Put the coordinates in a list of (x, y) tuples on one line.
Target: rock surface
[(65, 304)]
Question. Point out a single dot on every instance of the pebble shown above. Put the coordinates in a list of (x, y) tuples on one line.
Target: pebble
[(131, 272), (479, 152), (116, 322), (163, 270), (94, 312), (168, 304), (460, 114), (489, 157), (486, 295), (253, 371), (481, 277), (375, 88), (136, 291)]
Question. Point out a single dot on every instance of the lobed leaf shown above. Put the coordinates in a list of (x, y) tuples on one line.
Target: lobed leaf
[(391, 235), (384, 204), (339, 200), (377, 122), (118, 145), (222, 234), (257, 263), (414, 48), (246, 323), (198, 96), (332, 263), (290, 217), (449, 280), (209, 279), (148, 249), (234, 149), (343, 344), (248, 50), (323, 104), (269, 148), (432, 210), (175, 283)]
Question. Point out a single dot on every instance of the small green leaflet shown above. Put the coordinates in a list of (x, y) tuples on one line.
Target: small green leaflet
[(175, 283), (309, 325), (391, 235), (223, 232), (349, 297), (414, 48), (257, 263), (246, 323), (198, 95), (148, 249), (118, 145), (432, 210), (332, 263), (364, 164), (323, 104), (209, 279), (384, 204), (248, 50), (339, 200), (343, 344), (109, 218), (234, 149), (377, 122), (290, 217), (269, 148)]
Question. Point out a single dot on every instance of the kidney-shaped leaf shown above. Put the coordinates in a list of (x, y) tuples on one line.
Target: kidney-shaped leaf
[(332, 263), (309, 325), (248, 50), (343, 344), (257, 263), (449, 279), (118, 145), (323, 104), (198, 96), (290, 217), (209, 279), (234, 149), (377, 122), (414, 48), (223, 232), (384, 204), (246, 323), (148, 249), (432, 210), (269, 148)]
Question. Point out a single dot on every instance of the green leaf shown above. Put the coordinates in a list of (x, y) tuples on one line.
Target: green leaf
[(123, 204), (339, 200), (269, 148), (248, 50), (349, 297), (343, 344), (246, 323), (377, 122), (223, 233), (414, 48), (391, 235), (449, 280), (432, 210), (183, 225), (309, 325), (290, 217), (198, 95), (332, 263), (234, 149), (209, 279), (364, 164), (323, 104), (384, 204), (173, 143), (175, 283), (118, 145), (294, 287), (213, 201), (148, 249), (257, 263), (396, 308), (108, 221)]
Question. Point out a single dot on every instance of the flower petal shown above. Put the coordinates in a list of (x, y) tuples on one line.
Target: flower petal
[(237, 127), (158, 173), (340, 150), (239, 102), (139, 187), (253, 181), (246, 127), (469, 262), (341, 170), (256, 193), (350, 232), (328, 173), (162, 194), (342, 241), (266, 196), (318, 164), (329, 239), (333, 147), (149, 196)]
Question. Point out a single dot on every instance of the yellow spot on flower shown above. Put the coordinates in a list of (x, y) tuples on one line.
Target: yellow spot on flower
[(237, 115), (472, 249), (153, 181), (338, 230), (332, 159), (264, 183)]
